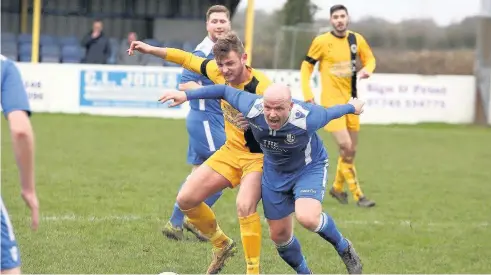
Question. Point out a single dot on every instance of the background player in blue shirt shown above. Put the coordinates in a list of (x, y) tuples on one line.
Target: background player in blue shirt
[(15, 107), (204, 122), (295, 164)]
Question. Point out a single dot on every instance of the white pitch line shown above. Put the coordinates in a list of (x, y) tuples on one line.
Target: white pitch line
[(403, 223), (76, 218)]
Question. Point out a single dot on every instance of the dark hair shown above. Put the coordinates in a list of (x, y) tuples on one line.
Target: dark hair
[(217, 9), (230, 43), (336, 8)]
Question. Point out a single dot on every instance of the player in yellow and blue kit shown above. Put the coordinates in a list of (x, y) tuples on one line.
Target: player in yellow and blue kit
[(295, 164), (337, 52), (16, 109), (206, 132), (238, 162)]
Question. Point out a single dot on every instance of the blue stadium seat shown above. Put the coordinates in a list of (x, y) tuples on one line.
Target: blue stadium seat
[(8, 37), (9, 49), (50, 54), (47, 40), (173, 44), (189, 46), (25, 51), (25, 58), (153, 61), (152, 42), (114, 44), (170, 64), (24, 38), (69, 40), (71, 54)]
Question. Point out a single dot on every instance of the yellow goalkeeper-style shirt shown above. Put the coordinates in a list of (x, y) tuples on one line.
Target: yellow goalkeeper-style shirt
[(337, 66), (236, 138)]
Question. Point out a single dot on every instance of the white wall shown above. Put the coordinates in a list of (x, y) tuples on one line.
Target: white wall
[(134, 91), (407, 99)]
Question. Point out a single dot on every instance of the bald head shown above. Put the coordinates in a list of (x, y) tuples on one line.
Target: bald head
[(277, 105), (278, 93)]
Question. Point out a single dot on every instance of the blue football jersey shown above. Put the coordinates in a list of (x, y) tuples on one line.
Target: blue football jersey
[(14, 95), (204, 49), (296, 144)]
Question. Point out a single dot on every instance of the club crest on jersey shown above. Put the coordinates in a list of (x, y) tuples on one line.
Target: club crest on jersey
[(259, 106), (354, 48), (299, 114), (290, 138)]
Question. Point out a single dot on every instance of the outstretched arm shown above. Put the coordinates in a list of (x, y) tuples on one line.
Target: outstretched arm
[(189, 61), (320, 116), (189, 79), (206, 67), (240, 100)]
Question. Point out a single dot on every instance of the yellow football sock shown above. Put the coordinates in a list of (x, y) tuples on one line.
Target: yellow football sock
[(250, 233), (349, 173), (338, 184), (203, 218)]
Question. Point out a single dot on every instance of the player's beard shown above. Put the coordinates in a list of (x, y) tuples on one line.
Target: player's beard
[(342, 28)]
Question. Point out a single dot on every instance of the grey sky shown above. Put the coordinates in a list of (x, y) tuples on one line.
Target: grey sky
[(444, 12)]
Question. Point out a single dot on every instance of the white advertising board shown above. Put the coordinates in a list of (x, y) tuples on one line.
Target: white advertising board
[(134, 91), (403, 99)]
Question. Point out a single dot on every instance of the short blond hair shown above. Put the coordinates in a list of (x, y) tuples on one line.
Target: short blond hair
[(217, 9), (229, 43)]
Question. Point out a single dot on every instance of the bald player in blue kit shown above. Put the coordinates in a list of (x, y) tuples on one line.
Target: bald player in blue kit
[(295, 164)]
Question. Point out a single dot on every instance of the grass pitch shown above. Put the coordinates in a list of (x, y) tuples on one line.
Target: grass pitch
[(107, 185)]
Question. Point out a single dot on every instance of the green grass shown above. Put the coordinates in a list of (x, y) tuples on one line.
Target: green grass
[(106, 186)]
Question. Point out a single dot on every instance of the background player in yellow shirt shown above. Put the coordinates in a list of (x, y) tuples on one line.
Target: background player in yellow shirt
[(336, 52), (238, 161)]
